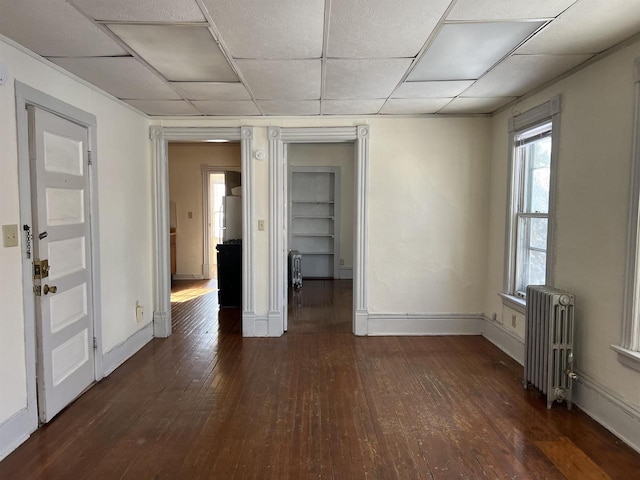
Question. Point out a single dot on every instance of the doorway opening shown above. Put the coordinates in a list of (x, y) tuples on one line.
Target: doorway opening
[(320, 224)]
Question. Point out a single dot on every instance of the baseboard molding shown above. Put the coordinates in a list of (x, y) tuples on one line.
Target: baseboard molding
[(609, 410), (606, 408), (15, 430), (275, 324), (125, 350), (256, 325), (188, 276), (346, 273), (381, 324), (504, 339)]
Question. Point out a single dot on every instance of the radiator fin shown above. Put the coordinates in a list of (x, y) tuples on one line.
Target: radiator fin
[(548, 360)]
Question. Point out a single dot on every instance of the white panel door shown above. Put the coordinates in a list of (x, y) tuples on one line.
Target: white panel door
[(58, 151)]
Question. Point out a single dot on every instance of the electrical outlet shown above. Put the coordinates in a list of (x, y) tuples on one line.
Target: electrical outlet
[(342, 261), (10, 235), (261, 225), (139, 312), (514, 321), (189, 214), (494, 317)]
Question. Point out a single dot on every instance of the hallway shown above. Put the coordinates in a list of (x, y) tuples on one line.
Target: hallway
[(206, 403)]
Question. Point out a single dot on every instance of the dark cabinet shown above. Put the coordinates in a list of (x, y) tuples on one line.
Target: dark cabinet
[(229, 274)]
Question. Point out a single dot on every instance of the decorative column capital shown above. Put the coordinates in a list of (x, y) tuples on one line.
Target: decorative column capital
[(274, 133), (156, 133), (246, 132)]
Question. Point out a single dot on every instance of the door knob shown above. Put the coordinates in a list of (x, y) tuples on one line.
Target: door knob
[(46, 289)]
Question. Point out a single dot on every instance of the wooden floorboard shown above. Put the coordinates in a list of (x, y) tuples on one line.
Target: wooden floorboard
[(317, 403)]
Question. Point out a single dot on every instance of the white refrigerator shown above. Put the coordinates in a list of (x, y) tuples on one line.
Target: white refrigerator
[(232, 226)]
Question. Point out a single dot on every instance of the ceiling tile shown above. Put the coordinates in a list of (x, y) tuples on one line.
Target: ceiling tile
[(179, 52), (371, 78), (283, 79), (519, 74), (284, 108), (476, 105), (164, 107), (212, 90), (432, 89), (464, 51), (382, 28), (589, 26), (511, 10), (142, 10), (407, 106), (277, 29), (122, 77), (230, 107), (352, 107), (54, 28)]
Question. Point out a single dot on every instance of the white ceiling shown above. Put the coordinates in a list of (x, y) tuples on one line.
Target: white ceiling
[(318, 57)]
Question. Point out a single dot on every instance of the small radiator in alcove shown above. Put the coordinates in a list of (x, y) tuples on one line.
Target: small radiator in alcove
[(548, 355)]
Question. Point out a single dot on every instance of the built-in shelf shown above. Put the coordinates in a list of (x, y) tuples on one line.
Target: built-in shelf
[(324, 217), (315, 202), (328, 235), (316, 253)]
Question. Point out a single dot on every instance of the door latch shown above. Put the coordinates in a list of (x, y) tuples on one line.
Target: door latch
[(40, 269)]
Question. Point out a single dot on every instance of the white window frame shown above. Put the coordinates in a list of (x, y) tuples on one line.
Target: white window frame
[(629, 348), (547, 112)]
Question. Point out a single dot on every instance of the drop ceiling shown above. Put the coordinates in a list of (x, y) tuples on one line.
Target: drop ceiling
[(318, 57)]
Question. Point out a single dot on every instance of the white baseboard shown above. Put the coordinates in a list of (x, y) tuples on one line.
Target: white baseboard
[(424, 324), (275, 324), (504, 339), (608, 409), (15, 430), (125, 350), (605, 407), (257, 325), (346, 273), (188, 276)]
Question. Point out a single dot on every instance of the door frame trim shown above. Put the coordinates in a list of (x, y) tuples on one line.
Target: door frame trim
[(279, 137), (26, 95), (160, 137)]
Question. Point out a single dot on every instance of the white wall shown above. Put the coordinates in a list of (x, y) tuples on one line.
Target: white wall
[(427, 208), (124, 177), (185, 189), (596, 124), (333, 155)]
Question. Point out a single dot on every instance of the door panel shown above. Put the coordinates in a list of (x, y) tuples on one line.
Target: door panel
[(61, 233)]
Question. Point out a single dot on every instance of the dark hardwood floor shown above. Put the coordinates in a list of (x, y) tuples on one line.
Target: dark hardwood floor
[(209, 404), (321, 306)]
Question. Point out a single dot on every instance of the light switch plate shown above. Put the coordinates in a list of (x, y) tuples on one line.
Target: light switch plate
[(261, 225), (10, 235)]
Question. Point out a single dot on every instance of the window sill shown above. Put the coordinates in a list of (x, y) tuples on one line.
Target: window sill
[(627, 357), (516, 303)]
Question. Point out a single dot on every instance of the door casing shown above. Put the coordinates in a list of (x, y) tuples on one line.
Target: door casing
[(26, 95)]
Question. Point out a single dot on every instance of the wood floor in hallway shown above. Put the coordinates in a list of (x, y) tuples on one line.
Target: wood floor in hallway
[(209, 404)]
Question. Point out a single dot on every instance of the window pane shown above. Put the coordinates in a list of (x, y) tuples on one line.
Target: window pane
[(537, 174), (538, 233), (537, 268)]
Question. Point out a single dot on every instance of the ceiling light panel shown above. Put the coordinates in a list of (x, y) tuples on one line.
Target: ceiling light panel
[(352, 107), (282, 79), (519, 74), (363, 79), (406, 106), (382, 28), (229, 108), (462, 105), (589, 26), (432, 89), (54, 29), (122, 77), (285, 108), (142, 10), (179, 52), (212, 90), (164, 107), (464, 51), (284, 29), (511, 10)]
